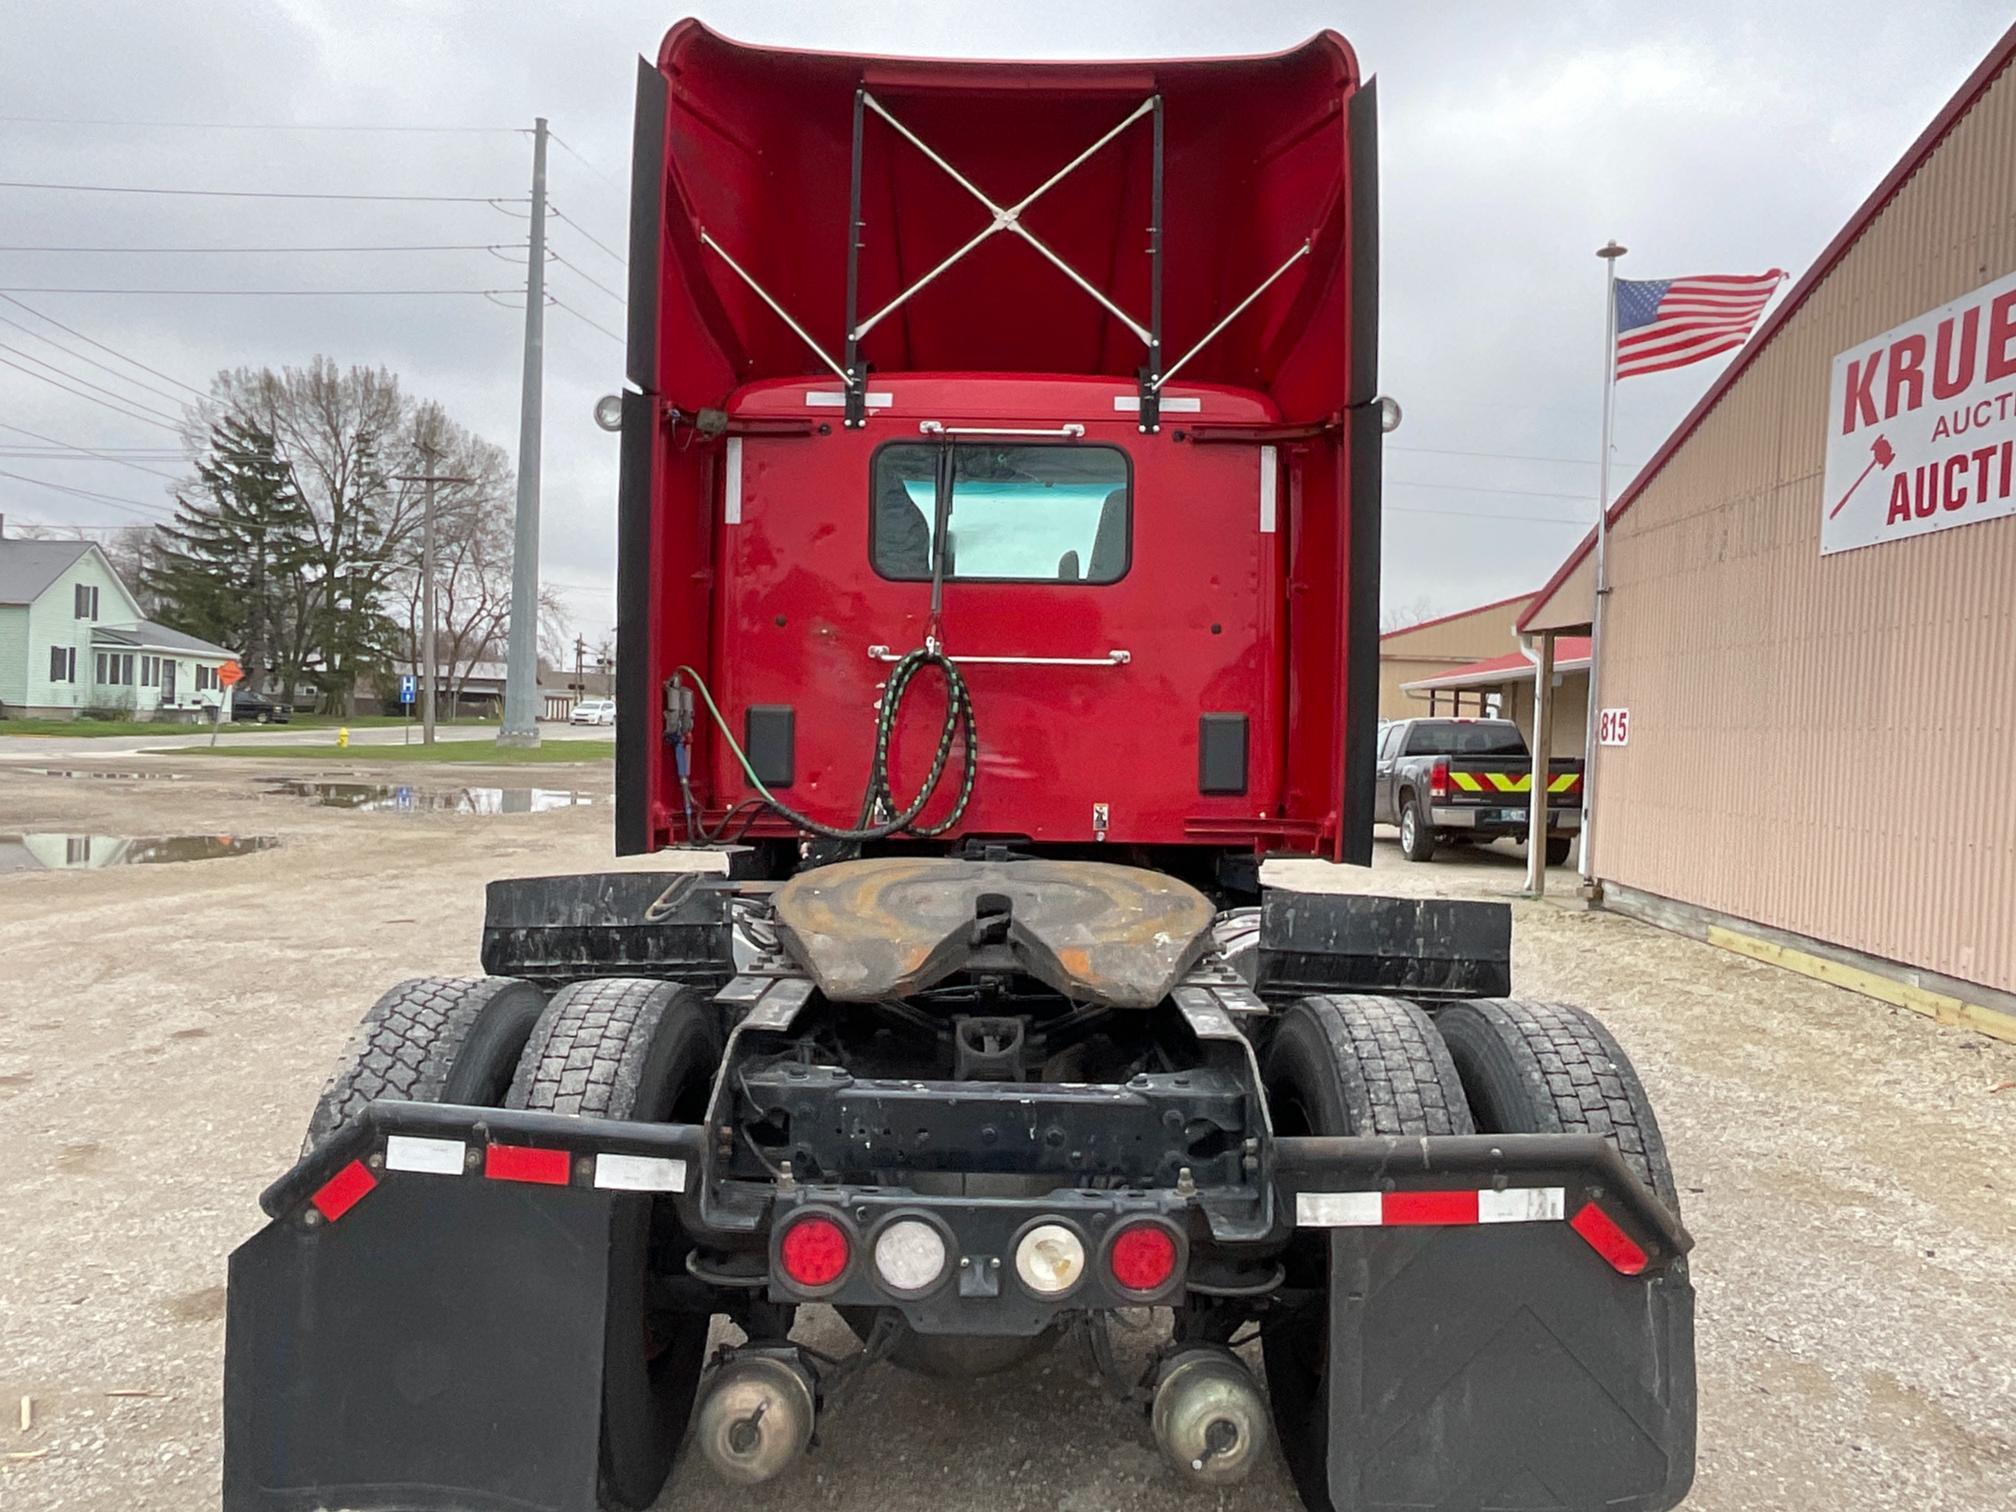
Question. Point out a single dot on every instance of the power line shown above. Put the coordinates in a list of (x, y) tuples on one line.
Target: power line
[(111, 351), (587, 277), (78, 393), (609, 179), (29, 120), (1480, 514), (238, 250), (245, 293), (99, 388), (559, 214), (561, 305), (1437, 451), (80, 357), (277, 194), (86, 493), (1485, 488), (85, 451)]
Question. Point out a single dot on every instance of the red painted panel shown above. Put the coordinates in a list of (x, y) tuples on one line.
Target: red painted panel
[(1196, 611)]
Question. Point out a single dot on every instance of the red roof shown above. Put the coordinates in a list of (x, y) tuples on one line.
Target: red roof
[(1571, 654), (1443, 619), (1977, 84)]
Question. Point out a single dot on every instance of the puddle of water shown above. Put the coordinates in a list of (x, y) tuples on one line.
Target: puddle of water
[(49, 851), (382, 797), (109, 776)]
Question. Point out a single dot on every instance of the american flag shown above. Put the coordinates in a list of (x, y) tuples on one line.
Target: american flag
[(1669, 322)]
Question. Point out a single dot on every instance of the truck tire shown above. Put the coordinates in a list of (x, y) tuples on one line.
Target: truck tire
[(623, 1047), (1547, 1068), (1417, 834), (1341, 1065), (1558, 847), (431, 1039)]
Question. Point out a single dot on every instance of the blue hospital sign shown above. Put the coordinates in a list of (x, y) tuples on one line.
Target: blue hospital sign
[(406, 689)]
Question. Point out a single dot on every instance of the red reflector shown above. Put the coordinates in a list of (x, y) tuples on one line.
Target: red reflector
[(1438, 780), (1143, 1257), (1429, 1207), (343, 1191), (523, 1163), (1600, 1230), (814, 1251)]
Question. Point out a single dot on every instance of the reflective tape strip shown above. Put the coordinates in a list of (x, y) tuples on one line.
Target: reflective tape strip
[(1337, 1209), (1445, 1209), (731, 483), (1187, 404), (1564, 782), (1269, 480), (837, 399), (640, 1173), (1505, 782), (1523, 1205), (1465, 781), (436, 1157)]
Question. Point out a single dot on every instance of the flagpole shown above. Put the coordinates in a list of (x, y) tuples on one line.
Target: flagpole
[(1610, 252)]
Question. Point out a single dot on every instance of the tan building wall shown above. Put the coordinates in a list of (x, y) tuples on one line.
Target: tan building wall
[(1571, 711), (1441, 645), (1822, 744)]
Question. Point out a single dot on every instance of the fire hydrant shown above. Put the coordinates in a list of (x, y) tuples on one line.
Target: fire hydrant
[(343, 737)]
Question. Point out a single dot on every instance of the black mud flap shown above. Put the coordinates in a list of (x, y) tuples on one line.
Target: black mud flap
[(1505, 1368), (428, 1340), (1508, 1366)]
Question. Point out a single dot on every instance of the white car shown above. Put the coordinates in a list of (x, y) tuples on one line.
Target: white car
[(594, 711)]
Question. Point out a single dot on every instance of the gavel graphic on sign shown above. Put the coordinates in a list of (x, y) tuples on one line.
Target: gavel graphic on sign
[(1882, 454)]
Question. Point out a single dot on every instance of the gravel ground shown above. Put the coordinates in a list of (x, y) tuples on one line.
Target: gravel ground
[(165, 1029)]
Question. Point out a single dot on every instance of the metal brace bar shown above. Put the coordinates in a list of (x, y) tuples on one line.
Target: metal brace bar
[(857, 380), (764, 295), (1007, 219), (1265, 284), (1150, 407), (1110, 659)]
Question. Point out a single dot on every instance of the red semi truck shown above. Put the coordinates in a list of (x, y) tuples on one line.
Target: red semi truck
[(999, 545)]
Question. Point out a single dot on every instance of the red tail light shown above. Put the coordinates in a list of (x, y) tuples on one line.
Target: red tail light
[(814, 1251), (1438, 780), (1142, 1258)]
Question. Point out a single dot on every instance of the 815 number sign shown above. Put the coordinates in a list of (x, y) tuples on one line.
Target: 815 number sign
[(1613, 727)]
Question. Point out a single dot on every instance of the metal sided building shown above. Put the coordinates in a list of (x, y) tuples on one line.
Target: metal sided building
[(1811, 623)]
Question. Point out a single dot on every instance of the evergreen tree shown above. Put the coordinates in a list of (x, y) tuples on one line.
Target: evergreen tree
[(230, 568)]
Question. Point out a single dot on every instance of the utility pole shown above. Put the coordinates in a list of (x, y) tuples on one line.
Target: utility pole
[(580, 658), (521, 672), (430, 672)]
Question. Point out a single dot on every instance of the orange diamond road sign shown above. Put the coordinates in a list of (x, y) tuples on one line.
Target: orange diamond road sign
[(230, 673)]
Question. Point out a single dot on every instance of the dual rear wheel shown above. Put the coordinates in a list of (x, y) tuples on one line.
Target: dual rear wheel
[(612, 1048), (1381, 1066)]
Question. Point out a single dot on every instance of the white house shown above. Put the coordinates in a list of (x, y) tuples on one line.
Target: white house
[(72, 638)]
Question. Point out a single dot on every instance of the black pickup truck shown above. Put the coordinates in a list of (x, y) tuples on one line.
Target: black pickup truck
[(1451, 781)]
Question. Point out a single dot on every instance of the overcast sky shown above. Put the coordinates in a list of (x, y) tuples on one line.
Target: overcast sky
[(1515, 139)]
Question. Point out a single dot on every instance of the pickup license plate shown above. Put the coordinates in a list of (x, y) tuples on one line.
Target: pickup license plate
[(1509, 816)]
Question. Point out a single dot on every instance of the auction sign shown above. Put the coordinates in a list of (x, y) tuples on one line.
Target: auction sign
[(1922, 425)]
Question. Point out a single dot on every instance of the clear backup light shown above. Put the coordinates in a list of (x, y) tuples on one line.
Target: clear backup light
[(910, 1255), (609, 412), (1050, 1259)]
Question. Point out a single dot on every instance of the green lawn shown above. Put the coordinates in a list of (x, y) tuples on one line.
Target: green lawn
[(465, 752), (87, 728)]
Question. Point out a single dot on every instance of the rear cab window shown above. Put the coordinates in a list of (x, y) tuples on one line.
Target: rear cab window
[(1484, 737), (1023, 513)]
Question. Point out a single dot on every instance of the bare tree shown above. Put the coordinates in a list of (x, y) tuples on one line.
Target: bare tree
[(352, 440), (1400, 616)]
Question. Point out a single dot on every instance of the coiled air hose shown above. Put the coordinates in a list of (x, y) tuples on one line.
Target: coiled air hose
[(958, 723)]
